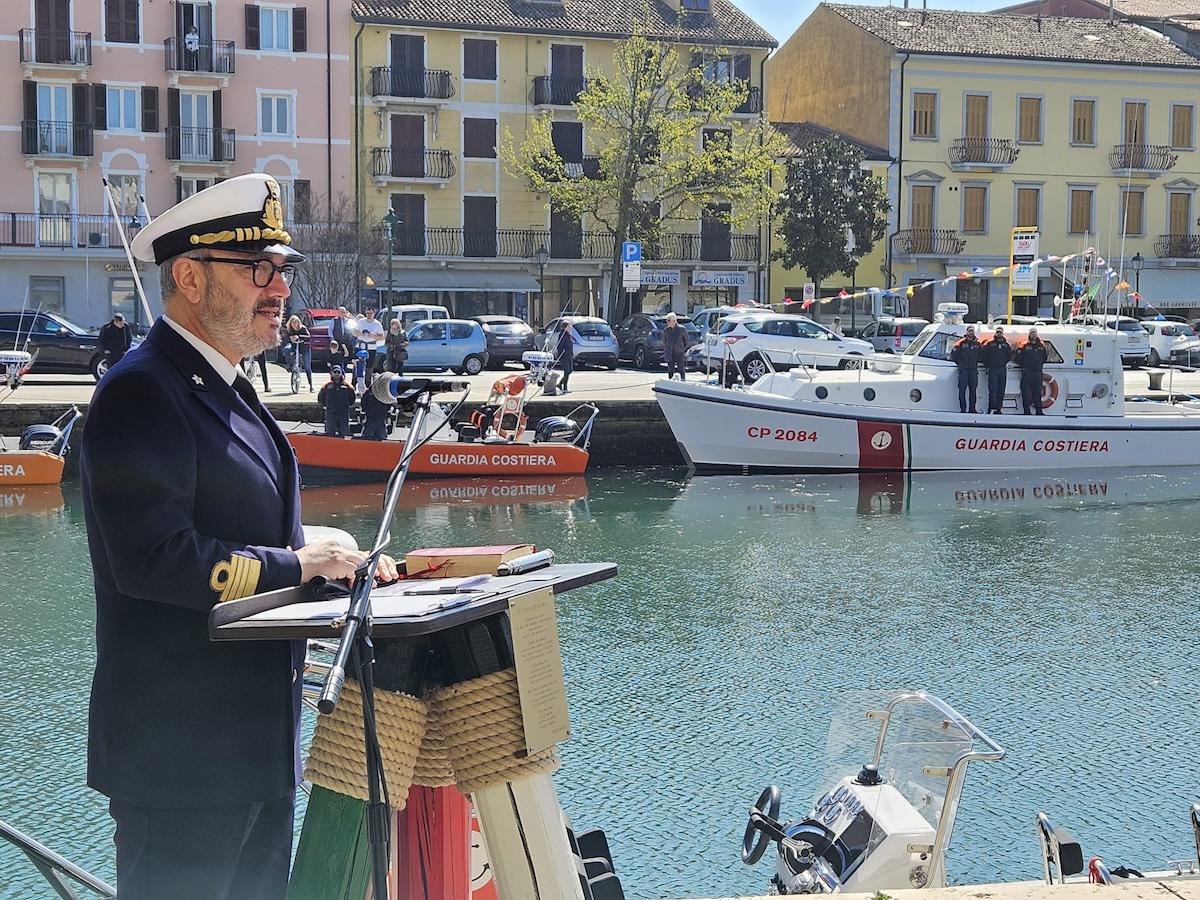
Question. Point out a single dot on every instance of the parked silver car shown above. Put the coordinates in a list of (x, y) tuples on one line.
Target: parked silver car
[(892, 335), (598, 347)]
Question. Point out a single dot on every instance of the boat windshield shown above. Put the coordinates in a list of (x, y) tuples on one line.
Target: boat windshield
[(916, 346), (938, 346), (914, 737)]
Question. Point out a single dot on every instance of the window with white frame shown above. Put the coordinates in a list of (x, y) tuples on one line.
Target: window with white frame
[(274, 28), (122, 107), (275, 114), (287, 197), (189, 186)]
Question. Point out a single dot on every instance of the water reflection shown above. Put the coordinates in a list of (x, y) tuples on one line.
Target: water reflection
[(33, 501)]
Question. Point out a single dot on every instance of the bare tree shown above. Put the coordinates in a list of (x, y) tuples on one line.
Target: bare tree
[(340, 252)]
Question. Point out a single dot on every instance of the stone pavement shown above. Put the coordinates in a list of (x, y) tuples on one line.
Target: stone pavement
[(586, 384)]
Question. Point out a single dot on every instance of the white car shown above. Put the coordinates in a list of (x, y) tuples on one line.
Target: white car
[(708, 319), (758, 343), (1132, 339), (1173, 342)]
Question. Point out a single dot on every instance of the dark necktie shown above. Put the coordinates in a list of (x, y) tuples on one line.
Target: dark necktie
[(246, 391)]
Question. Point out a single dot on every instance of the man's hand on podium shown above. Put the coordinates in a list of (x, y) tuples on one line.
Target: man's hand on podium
[(336, 562)]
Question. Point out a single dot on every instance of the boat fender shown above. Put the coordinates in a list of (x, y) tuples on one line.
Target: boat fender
[(1049, 391), (763, 826)]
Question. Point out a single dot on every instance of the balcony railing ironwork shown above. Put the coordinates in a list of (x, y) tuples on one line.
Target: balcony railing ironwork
[(42, 137), (387, 162), (215, 57), (201, 144), (554, 90), (984, 151), (566, 244), (1178, 246), (1142, 157), (432, 84), (55, 47), (928, 242), (60, 230), (753, 102)]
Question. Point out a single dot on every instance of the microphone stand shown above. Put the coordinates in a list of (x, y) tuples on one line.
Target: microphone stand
[(355, 646)]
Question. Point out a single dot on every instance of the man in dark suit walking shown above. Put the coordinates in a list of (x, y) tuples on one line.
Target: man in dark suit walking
[(191, 498), (115, 339)]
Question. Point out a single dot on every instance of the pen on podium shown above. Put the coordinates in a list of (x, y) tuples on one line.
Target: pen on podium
[(527, 563)]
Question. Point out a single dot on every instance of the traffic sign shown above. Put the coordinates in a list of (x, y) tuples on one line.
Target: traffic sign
[(810, 291), (631, 251)]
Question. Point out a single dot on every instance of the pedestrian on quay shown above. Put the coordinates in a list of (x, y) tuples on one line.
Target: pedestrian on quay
[(115, 339), (996, 355), (298, 341), (195, 743), (376, 412), (342, 329), (337, 358), (836, 327), (564, 352), (965, 354), (261, 359), (1031, 357), (337, 398), (369, 332), (395, 347), (675, 340)]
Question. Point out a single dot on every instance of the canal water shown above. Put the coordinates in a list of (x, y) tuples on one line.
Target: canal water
[(1059, 613)]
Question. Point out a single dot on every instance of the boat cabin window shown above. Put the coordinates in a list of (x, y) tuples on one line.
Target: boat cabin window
[(1052, 354), (918, 345), (938, 346)]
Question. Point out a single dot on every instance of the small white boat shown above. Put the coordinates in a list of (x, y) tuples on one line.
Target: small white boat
[(901, 413), (887, 815), (1063, 859)]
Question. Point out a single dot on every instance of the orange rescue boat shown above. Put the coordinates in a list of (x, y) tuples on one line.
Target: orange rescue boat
[(41, 453)]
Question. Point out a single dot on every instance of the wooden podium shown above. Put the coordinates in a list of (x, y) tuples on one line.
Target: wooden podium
[(469, 693)]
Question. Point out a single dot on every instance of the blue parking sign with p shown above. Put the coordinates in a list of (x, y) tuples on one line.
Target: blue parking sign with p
[(631, 251)]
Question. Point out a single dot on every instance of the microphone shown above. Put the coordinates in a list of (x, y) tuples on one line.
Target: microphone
[(388, 388)]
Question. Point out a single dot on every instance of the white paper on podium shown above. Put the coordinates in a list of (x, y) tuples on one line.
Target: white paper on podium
[(404, 599)]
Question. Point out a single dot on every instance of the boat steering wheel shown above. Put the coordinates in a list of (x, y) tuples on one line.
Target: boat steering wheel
[(763, 826), (807, 843)]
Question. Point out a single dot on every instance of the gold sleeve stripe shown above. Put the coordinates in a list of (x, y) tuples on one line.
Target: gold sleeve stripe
[(235, 577)]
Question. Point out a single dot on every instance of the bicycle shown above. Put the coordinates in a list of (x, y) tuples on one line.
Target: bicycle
[(295, 365)]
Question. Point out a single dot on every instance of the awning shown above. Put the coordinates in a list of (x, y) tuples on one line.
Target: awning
[(458, 280), (1168, 288)]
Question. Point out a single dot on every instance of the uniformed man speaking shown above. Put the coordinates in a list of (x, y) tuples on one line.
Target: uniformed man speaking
[(192, 498)]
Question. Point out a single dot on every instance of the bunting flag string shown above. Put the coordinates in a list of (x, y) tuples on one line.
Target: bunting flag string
[(975, 272)]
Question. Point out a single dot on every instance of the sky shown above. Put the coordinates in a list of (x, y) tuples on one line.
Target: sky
[(782, 17)]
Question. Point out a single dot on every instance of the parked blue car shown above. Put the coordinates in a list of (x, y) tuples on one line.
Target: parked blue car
[(440, 344)]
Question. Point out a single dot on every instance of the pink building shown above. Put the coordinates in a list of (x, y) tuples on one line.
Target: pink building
[(162, 98)]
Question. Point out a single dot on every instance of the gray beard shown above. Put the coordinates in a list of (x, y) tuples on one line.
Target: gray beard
[(221, 315)]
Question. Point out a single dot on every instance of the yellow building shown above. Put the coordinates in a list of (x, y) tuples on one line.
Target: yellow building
[(784, 284), (441, 81), (1082, 129)]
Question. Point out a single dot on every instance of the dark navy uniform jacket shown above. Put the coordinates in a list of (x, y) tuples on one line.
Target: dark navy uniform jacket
[(191, 499)]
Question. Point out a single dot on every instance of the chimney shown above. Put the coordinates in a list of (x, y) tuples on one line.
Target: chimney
[(924, 11), (1111, 13), (1039, 15)]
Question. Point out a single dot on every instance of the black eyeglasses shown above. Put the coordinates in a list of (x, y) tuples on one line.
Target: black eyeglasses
[(262, 271)]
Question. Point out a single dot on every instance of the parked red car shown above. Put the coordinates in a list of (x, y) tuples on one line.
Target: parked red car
[(320, 326)]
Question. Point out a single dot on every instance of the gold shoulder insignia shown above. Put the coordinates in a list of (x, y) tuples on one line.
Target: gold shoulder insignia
[(235, 577)]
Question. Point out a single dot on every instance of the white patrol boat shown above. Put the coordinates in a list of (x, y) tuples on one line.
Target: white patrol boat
[(900, 413)]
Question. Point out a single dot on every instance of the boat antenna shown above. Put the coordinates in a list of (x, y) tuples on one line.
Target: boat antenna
[(112, 208), (21, 321)]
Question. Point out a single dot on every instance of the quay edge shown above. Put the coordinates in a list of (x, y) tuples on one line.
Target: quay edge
[(1135, 889)]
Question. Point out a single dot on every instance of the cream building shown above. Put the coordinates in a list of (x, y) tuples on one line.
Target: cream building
[(439, 83), (1083, 129)]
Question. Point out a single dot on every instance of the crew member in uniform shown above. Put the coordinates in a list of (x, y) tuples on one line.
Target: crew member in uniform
[(996, 355), (1031, 356), (965, 354), (191, 498)]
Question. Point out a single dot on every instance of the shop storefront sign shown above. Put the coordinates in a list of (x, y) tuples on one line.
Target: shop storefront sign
[(664, 277), (707, 278)]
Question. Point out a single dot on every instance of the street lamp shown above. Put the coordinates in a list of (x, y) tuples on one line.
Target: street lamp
[(390, 221), (541, 256), (1138, 262)]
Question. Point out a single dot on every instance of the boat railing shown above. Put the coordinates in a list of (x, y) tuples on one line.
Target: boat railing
[(585, 433), (55, 868)]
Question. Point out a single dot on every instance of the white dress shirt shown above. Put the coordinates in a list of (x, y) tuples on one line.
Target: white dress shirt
[(223, 367)]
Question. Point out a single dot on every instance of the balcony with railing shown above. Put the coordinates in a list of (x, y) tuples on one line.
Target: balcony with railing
[(201, 145), (928, 242), (43, 137), (1178, 246), (60, 230), (554, 90), (989, 153), (52, 47), (752, 105), (411, 84), (209, 57), (433, 165), (1149, 159)]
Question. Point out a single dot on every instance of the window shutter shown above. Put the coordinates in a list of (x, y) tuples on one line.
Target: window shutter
[(172, 107), (299, 30), (251, 26), (472, 59), (100, 106), (149, 109), (178, 189), (112, 20), (81, 103), (216, 113), (30, 95), (303, 201)]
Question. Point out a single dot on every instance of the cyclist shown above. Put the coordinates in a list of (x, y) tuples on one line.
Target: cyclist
[(297, 339)]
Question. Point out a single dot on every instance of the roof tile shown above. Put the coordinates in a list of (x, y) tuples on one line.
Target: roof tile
[(1015, 36)]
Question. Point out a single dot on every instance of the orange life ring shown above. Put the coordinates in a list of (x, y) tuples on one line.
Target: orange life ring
[(509, 385), (1049, 391)]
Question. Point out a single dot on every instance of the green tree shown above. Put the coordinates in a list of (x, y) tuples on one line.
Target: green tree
[(662, 144), (829, 197)]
